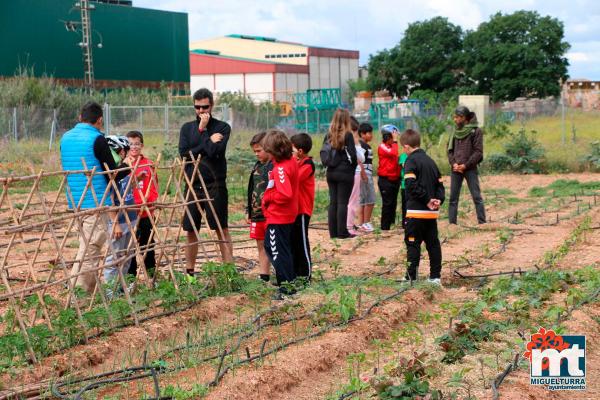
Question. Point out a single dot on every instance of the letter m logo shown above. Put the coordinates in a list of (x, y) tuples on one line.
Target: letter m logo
[(554, 357)]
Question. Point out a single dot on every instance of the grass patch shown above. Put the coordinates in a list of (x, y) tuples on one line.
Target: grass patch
[(498, 191), (565, 188)]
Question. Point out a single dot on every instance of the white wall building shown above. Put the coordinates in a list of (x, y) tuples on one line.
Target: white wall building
[(267, 69)]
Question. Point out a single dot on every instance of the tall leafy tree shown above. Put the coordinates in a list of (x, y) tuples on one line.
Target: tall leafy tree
[(514, 55), (427, 57)]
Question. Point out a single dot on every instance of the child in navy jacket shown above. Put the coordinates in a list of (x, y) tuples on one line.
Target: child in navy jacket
[(280, 206)]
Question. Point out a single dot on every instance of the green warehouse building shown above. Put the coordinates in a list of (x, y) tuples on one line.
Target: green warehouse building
[(131, 46)]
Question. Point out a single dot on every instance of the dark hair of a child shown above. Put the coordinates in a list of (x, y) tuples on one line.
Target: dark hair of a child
[(136, 134), (278, 145), (258, 138), (411, 138), (365, 127), (302, 141)]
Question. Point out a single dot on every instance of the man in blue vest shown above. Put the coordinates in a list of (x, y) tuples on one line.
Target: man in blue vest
[(85, 147)]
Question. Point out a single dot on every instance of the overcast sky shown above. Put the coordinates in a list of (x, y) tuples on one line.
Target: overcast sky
[(373, 25)]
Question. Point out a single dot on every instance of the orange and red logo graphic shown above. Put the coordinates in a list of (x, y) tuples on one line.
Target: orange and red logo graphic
[(544, 340), (556, 361)]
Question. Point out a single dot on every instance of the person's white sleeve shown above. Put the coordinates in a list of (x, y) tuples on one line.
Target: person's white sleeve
[(360, 154)]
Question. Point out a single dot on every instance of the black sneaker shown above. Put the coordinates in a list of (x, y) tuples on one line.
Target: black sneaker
[(278, 296)]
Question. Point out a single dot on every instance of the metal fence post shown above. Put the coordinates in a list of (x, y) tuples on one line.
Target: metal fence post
[(166, 122), (53, 128), (141, 119), (306, 119), (318, 121), (107, 118), (15, 129)]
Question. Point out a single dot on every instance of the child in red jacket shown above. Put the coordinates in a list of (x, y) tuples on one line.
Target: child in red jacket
[(389, 175), (280, 207), (306, 198), (145, 194)]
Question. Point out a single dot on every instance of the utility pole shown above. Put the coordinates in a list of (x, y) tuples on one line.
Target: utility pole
[(86, 44), (85, 26)]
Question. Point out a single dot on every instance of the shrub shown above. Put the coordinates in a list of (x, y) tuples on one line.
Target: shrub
[(498, 162), (593, 159), (249, 114), (523, 154)]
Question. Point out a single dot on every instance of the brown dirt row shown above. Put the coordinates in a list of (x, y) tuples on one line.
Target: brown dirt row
[(358, 262), (301, 383), (308, 387)]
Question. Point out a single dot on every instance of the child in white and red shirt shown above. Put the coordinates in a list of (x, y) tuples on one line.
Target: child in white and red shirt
[(145, 193), (280, 207)]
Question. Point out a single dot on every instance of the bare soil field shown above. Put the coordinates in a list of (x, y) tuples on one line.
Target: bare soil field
[(357, 331)]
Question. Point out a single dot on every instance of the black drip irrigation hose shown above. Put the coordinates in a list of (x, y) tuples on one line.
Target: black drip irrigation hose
[(260, 325), (146, 371), (512, 273), (118, 376), (256, 320), (320, 332), (515, 271), (514, 365), (502, 249), (347, 395), (500, 378), (589, 299)]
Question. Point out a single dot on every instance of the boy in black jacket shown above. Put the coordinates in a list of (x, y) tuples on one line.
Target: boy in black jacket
[(424, 196)]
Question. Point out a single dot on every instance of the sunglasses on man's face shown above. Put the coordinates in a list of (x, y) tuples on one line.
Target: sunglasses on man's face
[(198, 107)]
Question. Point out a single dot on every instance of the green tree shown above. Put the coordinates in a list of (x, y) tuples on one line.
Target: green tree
[(355, 86), (428, 57), (383, 72), (514, 55)]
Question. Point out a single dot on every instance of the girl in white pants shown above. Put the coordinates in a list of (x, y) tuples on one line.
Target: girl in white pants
[(353, 203)]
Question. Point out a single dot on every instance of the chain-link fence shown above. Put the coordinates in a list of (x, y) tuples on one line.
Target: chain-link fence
[(525, 109), (30, 122), (153, 120)]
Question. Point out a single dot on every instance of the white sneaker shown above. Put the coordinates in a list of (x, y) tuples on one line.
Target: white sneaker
[(367, 227), (435, 281)]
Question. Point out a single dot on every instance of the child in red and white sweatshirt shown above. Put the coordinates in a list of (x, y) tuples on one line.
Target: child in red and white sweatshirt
[(389, 175), (306, 199), (280, 207), (145, 193)]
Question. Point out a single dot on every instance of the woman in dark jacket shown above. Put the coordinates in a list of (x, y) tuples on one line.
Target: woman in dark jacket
[(340, 174), (465, 152)]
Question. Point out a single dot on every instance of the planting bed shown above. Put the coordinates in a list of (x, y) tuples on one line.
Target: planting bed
[(358, 331)]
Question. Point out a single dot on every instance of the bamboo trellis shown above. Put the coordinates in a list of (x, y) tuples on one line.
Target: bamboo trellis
[(40, 238)]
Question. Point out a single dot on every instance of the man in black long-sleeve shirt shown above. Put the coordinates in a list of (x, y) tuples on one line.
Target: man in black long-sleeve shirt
[(424, 195), (207, 138)]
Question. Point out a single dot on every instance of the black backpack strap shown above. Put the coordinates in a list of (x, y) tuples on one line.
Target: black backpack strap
[(310, 162)]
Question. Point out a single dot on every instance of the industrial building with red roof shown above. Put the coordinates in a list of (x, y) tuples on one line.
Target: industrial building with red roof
[(268, 69)]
